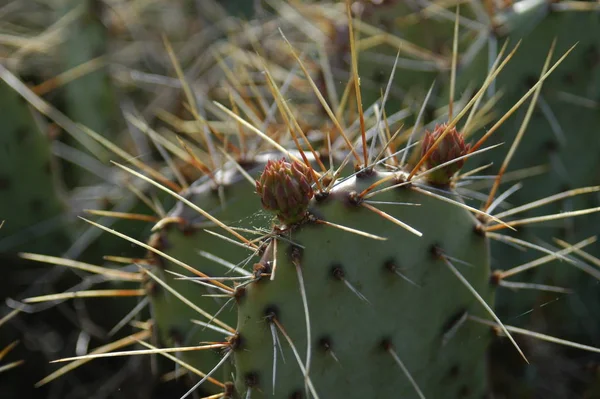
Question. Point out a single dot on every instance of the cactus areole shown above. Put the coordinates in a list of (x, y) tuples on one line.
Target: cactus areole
[(284, 188)]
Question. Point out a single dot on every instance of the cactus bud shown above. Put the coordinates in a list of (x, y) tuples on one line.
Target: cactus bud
[(451, 147), (284, 188)]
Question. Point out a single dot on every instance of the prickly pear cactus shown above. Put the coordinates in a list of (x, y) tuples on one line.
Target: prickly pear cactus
[(372, 309)]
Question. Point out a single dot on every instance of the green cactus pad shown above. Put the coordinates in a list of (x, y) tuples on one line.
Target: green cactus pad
[(90, 99), (349, 330), (30, 202)]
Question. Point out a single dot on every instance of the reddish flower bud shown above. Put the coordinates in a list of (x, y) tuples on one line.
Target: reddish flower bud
[(284, 188), (451, 147)]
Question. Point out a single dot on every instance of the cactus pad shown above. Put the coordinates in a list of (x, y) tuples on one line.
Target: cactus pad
[(367, 297)]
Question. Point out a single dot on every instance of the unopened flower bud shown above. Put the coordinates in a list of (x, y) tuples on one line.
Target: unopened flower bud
[(451, 147), (284, 188)]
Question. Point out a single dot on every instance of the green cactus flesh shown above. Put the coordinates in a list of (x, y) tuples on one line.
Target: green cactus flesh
[(90, 99), (350, 328), (29, 200)]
